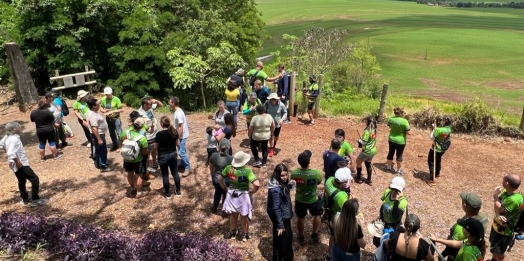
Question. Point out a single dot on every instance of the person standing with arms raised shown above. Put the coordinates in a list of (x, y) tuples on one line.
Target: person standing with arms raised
[(181, 126)]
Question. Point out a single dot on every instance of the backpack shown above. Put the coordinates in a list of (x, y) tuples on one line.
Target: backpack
[(327, 204), (63, 107), (130, 147), (445, 144), (253, 79)]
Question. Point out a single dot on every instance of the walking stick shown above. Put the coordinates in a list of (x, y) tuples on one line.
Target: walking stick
[(434, 150), (440, 256)]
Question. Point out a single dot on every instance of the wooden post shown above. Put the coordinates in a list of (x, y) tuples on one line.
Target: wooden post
[(291, 102), (521, 126), (25, 89), (382, 102), (88, 80), (58, 83), (320, 82)]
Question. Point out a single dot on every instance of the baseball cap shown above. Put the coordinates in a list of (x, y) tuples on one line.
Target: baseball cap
[(304, 158), (471, 199), (342, 175), (49, 94), (139, 122), (398, 183), (473, 226), (108, 90)]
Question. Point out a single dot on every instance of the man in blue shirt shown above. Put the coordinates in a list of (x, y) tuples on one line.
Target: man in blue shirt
[(332, 159), (282, 83)]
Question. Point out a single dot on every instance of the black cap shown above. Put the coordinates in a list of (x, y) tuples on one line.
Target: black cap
[(304, 158), (473, 226), (49, 94)]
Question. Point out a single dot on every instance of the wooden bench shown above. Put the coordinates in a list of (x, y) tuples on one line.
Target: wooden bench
[(80, 79)]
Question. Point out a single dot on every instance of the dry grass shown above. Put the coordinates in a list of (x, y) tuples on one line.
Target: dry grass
[(78, 191)]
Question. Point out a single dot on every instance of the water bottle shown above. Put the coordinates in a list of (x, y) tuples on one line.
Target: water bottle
[(520, 237)]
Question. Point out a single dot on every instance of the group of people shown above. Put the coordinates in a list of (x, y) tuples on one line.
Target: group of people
[(148, 144)]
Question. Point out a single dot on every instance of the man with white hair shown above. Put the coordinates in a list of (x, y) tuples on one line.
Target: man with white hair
[(19, 163)]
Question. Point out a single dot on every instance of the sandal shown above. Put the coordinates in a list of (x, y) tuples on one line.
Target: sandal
[(142, 194)]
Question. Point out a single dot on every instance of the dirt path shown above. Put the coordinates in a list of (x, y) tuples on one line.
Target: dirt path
[(78, 191)]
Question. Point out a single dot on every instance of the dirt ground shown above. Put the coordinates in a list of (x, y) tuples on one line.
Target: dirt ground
[(77, 190)]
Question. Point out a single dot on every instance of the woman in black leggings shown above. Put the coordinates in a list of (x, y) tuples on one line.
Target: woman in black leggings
[(44, 120)]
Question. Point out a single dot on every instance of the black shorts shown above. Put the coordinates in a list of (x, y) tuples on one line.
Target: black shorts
[(498, 243), (310, 105), (315, 209), (46, 137), (136, 167), (276, 132)]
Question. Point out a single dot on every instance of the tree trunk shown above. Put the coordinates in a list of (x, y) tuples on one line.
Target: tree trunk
[(203, 95), (521, 127), (291, 102), (25, 89), (317, 102)]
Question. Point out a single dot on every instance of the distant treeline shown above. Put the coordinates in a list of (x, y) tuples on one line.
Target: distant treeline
[(518, 5)]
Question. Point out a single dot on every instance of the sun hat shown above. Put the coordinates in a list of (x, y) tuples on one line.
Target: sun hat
[(473, 226), (304, 158), (224, 144), (108, 90), (376, 228), (139, 122), (342, 175), (273, 96), (398, 183), (313, 77), (81, 94), (471, 199), (240, 159)]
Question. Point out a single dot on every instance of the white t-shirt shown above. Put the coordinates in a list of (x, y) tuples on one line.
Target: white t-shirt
[(150, 121), (180, 118)]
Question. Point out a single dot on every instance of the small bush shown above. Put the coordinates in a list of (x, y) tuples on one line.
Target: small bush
[(475, 116), (76, 241)]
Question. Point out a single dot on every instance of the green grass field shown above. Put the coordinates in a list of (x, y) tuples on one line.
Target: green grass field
[(470, 52)]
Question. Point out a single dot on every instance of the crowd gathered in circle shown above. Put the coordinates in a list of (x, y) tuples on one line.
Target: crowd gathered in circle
[(149, 144)]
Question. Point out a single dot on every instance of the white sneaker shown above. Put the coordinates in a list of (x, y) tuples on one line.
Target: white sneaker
[(151, 169)]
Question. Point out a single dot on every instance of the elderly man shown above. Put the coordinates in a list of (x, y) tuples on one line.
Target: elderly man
[(98, 127), (278, 111), (19, 163), (112, 107)]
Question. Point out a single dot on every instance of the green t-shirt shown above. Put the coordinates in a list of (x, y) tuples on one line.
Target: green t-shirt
[(338, 201), (458, 234), (398, 128), (345, 149), (115, 104), (240, 178), (142, 142), (370, 148), (246, 110), (82, 108), (387, 207), (307, 183), (440, 134), (468, 253), (262, 76), (513, 205)]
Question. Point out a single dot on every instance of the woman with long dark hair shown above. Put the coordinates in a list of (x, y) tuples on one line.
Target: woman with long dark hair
[(349, 238), (229, 131), (409, 245), (166, 142), (474, 246), (279, 209), (368, 143), (45, 130)]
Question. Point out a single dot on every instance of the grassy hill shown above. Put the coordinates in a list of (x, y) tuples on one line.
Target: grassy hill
[(470, 52)]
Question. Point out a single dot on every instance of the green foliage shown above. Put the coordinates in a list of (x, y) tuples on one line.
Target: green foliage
[(8, 33), (474, 116)]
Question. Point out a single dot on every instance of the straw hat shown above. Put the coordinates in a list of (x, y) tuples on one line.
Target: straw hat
[(273, 96), (81, 94), (376, 228), (240, 159)]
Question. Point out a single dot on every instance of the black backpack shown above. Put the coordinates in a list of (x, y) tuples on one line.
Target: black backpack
[(63, 107), (253, 79), (445, 144)]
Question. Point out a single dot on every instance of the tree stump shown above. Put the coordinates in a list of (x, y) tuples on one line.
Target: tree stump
[(25, 89)]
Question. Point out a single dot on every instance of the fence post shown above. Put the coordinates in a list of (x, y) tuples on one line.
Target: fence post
[(58, 83), (291, 102), (382, 102), (88, 80), (320, 83), (521, 126)]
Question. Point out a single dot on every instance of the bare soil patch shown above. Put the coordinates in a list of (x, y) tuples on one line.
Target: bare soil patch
[(439, 92), (79, 191)]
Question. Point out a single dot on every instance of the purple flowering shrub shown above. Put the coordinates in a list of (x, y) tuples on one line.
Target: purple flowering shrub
[(76, 241)]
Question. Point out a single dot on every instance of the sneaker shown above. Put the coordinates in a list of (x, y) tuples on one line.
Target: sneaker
[(167, 196), (287, 122), (39, 202), (142, 194), (246, 237), (368, 181), (106, 169), (400, 172), (264, 166), (388, 168), (178, 194), (231, 234), (271, 152), (88, 144), (257, 163), (25, 203), (154, 166), (315, 238), (214, 210), (312, 122), (151, 170), (58, 156), (301, 240)]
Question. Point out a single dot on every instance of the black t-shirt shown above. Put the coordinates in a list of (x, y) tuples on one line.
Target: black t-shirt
[(354, 248), (166, 142), (422, 251), (43, 119)]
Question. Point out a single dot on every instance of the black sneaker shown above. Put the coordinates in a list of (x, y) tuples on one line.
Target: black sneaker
[(167, 196), (246, 237), (231, 234), (178, 193), (301, 240), (315, 238)]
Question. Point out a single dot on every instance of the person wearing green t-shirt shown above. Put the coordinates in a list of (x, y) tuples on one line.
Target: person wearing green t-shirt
[(335, 196), (311, 94), (306, 198), (80, 109), (258, 74), (508, 206), (346, 150), (368, 143), (439, 135), (473, 247), (111, 106), (135, 168), (238, 198), (399, 128)]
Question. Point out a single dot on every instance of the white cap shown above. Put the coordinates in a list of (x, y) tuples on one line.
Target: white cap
[(342, 175), (398, 183), (108, 90)]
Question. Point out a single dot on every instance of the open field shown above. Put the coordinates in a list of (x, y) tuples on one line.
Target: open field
[(470, 52)]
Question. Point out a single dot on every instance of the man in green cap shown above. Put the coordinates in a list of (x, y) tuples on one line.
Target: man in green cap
[(471, 204)]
